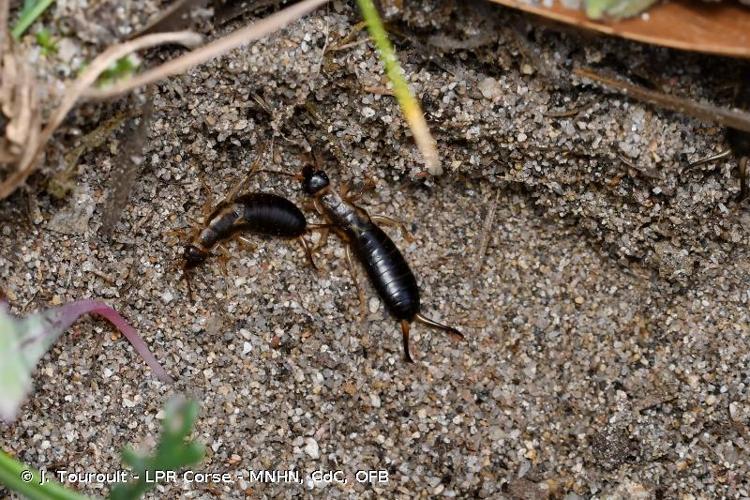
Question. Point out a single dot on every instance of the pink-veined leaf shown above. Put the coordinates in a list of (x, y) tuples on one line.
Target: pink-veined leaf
[(24, 341)]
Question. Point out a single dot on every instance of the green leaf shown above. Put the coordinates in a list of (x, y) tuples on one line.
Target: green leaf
[(28, 481), (32, 9), (617, 9), (173, 451)]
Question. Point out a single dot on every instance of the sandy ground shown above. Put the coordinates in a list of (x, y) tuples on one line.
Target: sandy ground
[(607, 330)]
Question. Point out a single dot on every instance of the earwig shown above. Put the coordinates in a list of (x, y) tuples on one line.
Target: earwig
[(259, 213), (385, 265), (738, 140)]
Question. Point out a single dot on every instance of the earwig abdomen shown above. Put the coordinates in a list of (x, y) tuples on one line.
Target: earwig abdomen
[(388, 271), (269, 214), (260, 213)]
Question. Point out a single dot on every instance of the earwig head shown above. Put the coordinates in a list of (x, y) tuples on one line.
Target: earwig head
[(314, 180), (194, 256)]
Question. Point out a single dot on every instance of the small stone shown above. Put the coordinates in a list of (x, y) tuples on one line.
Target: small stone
[(311, 448), (374, 304), (167, 297), (579, 300), (246, 347), (490, 89), (375, 400)]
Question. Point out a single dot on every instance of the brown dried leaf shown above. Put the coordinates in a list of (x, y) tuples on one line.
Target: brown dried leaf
[(716, 28), (733, 118), (126, 170)]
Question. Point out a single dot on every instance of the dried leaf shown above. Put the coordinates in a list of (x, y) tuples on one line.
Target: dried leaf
[(126, 169), (174, 18), (728, 117), (716, 28)]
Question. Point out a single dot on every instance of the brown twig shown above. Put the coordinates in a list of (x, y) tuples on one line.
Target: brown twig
[(728, 117), (78, 87), (486, 234), (214, 49)]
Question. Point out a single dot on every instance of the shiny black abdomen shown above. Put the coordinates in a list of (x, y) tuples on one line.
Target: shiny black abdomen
[(269, 214), (388, 270)]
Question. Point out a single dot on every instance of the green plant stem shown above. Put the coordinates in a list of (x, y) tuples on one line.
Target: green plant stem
[(11, 471), (28, 17), (410, 107)]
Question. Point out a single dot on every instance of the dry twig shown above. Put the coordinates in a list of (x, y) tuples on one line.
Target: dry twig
[(255, 31), (486, 234), (728, 117), (27, 163)]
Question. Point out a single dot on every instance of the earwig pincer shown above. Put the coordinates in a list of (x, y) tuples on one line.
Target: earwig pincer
[(258, 213), (738, 140), (385, 265)]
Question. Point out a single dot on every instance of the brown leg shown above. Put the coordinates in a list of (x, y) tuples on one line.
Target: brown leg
[(387, 221), (245, 243), (449, 329), (352, 196), (208, 205), (405, 340), (743, 178), (323, 241), (254, 169), (323, 228), (360, 290), (186, 277), (306, 248), (223, 258)]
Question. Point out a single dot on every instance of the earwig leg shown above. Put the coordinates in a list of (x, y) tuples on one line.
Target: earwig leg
[(405, 340), (319, 227), (208, 205), (717, 156), (360, 291), (180, 232), (253, 171), (743, 163), (280, 172), (368, 185), (382, 219), (223, 258), (186, 277), (323, 241), (306, 248), (449, 329), (246, 243)]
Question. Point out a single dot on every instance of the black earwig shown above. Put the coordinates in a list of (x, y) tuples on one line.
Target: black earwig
[(738, 140), (385, 265), (258, 213)]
